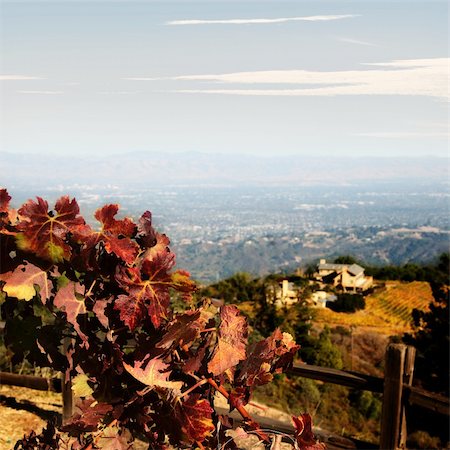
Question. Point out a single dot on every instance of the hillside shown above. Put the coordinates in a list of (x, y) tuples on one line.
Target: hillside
[(388, 311)]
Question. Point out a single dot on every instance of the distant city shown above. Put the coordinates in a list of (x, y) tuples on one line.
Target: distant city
[(217, 231)]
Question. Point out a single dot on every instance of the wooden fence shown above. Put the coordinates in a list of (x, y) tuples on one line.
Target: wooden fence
[(396, 387)]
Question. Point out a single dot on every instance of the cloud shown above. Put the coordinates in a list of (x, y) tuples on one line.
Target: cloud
[(421, 77), (18, 78), (118, 92), (356, 42), (261, 21), (41, 92), (404, 134)]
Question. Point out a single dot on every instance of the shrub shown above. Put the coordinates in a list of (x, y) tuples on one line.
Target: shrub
[(348, 303), (138, 366)]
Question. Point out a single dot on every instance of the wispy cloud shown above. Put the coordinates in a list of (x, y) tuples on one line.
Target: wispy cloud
[(356, 42), (420, 77), (404, 134), (261, 21), (18, 78), (119, 92), (41, 92)]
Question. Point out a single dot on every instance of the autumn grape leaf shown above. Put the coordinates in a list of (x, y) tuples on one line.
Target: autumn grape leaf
[(195, 418), (146, 235), (88, 415), (46, 233), (304, 435), (148, 292), (114, 438), (66, 299), (182, 331), (80, 386), (232, 340), (21, 283), (99, 310), (159, 248), (115, 235), (4, 200), (155, 374), (271, 355), (148, 285)]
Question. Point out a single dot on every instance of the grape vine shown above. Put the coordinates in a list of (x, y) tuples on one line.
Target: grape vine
[(138, 368)]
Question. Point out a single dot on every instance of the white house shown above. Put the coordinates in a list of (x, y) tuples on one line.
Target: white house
[(350, 277), (283, 294), (320, 298)]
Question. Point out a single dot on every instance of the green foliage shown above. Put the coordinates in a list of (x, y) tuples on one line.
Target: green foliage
[(323, 352), (348, 303), (432, 342), (422, 440), (433, 273), (367, 404), (346, 259)]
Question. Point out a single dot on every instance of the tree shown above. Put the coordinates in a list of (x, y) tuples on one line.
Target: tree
[(432, 342)]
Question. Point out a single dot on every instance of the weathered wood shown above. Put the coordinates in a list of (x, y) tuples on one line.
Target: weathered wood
[(392, 396), (66, 385), (341, 377), (433, 402), (408, 373), (31, 382)]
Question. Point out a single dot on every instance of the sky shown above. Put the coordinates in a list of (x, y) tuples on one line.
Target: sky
[(351, 78)]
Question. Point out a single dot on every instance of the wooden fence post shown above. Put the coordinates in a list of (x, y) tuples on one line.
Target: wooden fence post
[(408, 374), (392, 396), (66, 387)]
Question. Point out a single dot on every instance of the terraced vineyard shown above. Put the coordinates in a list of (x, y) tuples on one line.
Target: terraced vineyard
[(389, 310)]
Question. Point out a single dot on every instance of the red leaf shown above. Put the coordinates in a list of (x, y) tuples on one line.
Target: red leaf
[(146, 235), (155, 374), (88, 415), (115, 235), (195, 418), (194, 363), (4, 200), (183, 330), (131, 310), (66, 300), (304, 435), (21, 282), (160, 248), (114, 438), (271, 355), (145, 296), (99, 310), (46, 233), (232, 341)]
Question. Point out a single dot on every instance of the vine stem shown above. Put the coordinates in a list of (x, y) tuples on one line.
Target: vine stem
[(89, 292), (241, 409), (90, 446), (201, 382), (207, 330)]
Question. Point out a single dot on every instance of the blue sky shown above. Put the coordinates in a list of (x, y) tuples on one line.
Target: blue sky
[(262, 77)]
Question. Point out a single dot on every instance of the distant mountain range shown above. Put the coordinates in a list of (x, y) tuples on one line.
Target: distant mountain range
[(192, 168)]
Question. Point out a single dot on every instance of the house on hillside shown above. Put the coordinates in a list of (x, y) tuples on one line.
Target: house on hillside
[(348, 277), (282, 294), (319, 299)]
